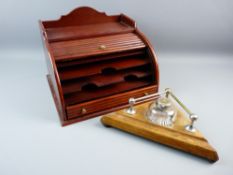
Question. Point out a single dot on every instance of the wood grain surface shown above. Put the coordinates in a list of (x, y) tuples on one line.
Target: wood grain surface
[(175, 136), (74, 49)]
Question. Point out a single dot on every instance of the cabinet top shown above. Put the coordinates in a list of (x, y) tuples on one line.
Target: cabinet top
[(86, 22)]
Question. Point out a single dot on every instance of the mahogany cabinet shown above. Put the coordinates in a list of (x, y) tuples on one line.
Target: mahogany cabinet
[(96, 63)]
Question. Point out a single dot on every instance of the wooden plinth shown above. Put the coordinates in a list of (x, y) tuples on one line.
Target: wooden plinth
[(175, 136)]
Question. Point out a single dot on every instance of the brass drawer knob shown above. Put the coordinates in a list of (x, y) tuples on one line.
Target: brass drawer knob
[(102, 47), (83, 111)]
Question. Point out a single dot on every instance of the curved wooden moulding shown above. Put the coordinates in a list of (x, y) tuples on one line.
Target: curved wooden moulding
[(96, 63)]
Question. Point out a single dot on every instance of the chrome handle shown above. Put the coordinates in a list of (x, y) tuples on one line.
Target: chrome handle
[(132, 101), (193, 117)]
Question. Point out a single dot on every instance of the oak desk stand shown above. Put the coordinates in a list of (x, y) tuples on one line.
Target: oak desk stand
[(176, 136)]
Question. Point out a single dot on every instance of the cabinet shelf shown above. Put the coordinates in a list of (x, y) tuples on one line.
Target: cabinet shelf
[(55, 34), (101, 80), (96, 68), (83, 96)]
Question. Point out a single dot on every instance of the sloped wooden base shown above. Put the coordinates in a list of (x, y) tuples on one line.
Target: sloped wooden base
[(175, 136)]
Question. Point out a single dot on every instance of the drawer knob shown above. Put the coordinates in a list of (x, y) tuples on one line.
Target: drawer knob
[(102, 47), (83, 110)]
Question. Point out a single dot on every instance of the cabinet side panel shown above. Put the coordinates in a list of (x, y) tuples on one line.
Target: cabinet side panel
[(53, 78)]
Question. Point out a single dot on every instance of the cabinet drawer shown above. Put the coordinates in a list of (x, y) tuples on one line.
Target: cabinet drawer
[(107, 103)]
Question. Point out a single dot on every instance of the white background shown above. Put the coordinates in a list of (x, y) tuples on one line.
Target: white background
[(193, 41), (171, 25)]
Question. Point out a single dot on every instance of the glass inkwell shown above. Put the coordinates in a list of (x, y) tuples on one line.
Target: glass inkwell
[(162, 112)]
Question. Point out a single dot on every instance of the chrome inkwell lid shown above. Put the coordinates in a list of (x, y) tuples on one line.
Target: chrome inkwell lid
[(161, 112)]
